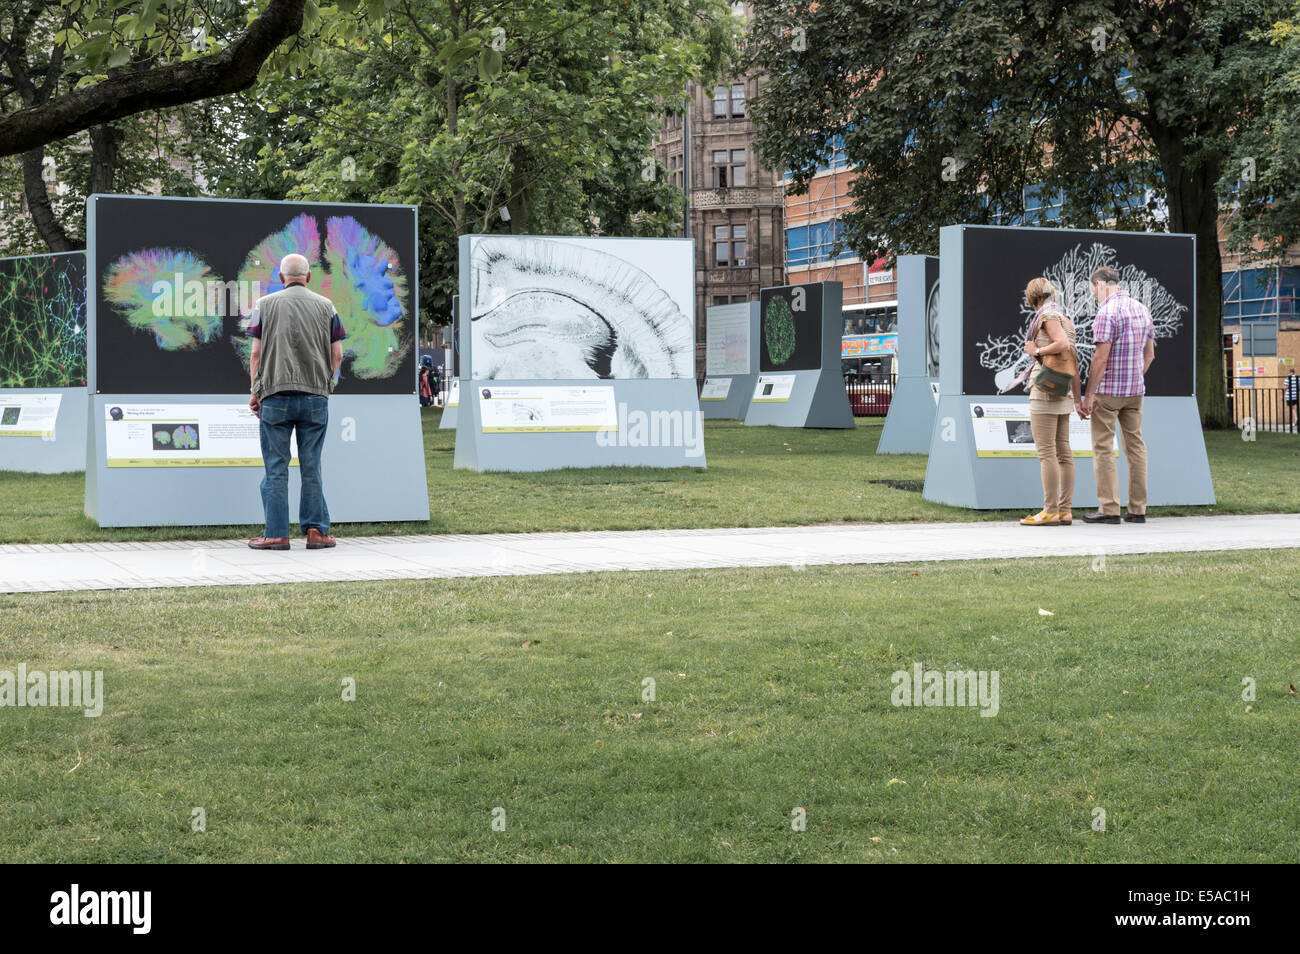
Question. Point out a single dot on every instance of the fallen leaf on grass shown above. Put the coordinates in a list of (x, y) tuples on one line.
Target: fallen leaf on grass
[(1043, 612), (1291, 689), (894, 781), (1249, 708), (877, 838)]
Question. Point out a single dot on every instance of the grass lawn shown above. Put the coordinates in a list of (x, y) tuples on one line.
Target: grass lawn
[(757, 476), (772, 692)]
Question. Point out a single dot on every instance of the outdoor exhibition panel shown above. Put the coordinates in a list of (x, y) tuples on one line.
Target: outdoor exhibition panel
[(43, 363), (800, 383), (451, 410), (981, 454), (173, 286), (577, 352), (731, 358), (916, 392)]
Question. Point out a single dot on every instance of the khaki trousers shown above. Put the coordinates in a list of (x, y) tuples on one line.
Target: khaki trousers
[(1052, 439), (1106, 410)]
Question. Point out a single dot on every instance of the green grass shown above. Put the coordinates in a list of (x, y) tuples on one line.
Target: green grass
[(757, 476), (773, 691)]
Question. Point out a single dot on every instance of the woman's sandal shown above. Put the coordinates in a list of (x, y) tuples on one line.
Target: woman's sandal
[(1041, 519), (1064, 518)]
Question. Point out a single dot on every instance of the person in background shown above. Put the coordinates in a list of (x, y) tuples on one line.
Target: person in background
[(1051, 333), (1125, 345), (426, 387), (297, 349), (1291, 390)]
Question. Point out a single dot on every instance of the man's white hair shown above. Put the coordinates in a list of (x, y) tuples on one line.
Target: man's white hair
[(294, 265)]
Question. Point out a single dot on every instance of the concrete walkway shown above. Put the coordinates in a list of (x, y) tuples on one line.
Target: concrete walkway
[(30, 568)]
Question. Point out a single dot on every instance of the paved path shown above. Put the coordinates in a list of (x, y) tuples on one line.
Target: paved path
[(110, 566)]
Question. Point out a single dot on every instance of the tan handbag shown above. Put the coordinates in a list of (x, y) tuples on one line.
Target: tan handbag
[(1057, 373)]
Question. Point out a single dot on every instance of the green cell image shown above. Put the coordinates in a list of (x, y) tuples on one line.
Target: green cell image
[(9, 416), (43, 321), (778, 331)]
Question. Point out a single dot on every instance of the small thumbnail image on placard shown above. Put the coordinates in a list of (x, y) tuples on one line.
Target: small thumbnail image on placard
[(1019, 432), (767, 388), (175, 437), (9, 416)]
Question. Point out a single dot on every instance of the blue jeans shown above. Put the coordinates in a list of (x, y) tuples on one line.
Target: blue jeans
[(281, 413)]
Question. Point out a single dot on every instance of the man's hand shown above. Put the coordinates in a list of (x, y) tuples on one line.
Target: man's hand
[(1031, 349), (1087, 405), (1080, 410), (255, 405)]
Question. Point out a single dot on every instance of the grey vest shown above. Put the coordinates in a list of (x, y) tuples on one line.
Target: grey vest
[(296, 347)]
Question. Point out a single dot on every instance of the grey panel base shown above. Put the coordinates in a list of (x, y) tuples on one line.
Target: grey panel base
[(1178, 470), (736, 405), (671, 402), (373, 468), (818, 399), (449, 416), (63, 454), (910, 419)]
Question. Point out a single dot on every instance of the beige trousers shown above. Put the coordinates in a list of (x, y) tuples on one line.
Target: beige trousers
[(1106, 410), (1052, 439)]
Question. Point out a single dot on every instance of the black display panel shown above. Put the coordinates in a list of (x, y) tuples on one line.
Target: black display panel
[(932, 316), (791, 328), (43, 321), (997, 263), (176, 281)]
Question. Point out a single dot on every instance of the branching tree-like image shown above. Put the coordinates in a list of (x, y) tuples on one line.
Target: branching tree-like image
[(1115, 113)]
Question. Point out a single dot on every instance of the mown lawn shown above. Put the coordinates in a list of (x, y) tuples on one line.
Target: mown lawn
[(757, 476), (772, 692)]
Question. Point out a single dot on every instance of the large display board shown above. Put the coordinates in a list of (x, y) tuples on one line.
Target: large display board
[(731, 359), (911, 409), (555, 331), (983, 323), (174, 283), (792, 327), (799, 382), (451, 410), (43, 363), (999, 262)]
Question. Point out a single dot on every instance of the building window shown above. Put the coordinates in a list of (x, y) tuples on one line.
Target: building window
[(1261, 294), (810, 244), (728, 168), (729, 101), (729, 247)]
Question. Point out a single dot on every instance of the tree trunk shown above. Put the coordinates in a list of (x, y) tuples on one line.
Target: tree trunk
[(1194, 207), (105, 143), (38, 203)]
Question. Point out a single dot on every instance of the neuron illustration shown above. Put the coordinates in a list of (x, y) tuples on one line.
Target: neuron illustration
[(546, 308), (43, 321), (932, 331), (1005, 355), (144, 287)]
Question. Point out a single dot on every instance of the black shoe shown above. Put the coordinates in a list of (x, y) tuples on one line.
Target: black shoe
[(1101, 518), (1135, 518)]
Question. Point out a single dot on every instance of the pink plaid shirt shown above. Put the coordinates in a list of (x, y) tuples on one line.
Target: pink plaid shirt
[(1127, 325)]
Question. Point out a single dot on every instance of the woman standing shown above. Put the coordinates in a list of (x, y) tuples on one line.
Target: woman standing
[(1054, 392)]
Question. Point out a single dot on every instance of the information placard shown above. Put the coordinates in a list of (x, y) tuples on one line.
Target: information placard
[(184, 435), (29, 415), (773, 388), (453, 396), (715, 389), (540, 409), (1003, 431)]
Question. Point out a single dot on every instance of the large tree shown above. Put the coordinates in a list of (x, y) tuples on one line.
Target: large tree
[(1131, 111), (72, 65), (536, 116)]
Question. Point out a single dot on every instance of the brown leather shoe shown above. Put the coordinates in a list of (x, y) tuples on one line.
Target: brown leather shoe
[(319, 541), (269, 543)]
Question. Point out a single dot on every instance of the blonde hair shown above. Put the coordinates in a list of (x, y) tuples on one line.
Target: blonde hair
[(1038, 291)]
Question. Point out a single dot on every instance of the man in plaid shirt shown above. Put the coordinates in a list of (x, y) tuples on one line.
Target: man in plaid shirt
[(1125, 345)]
